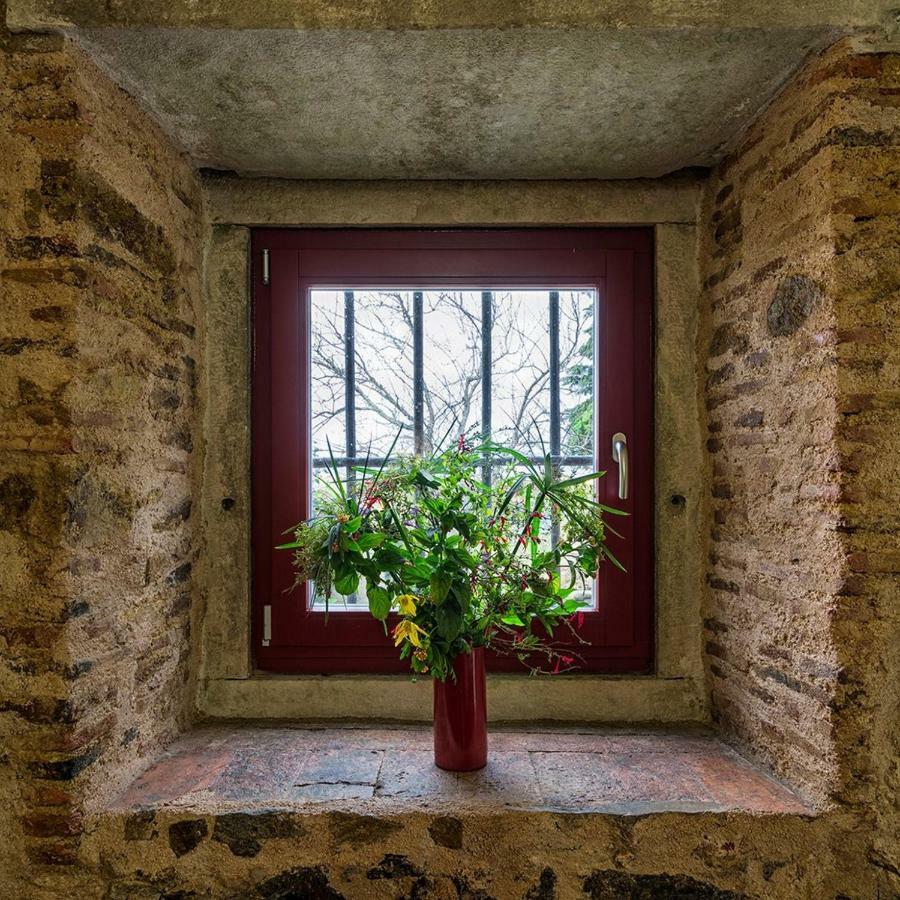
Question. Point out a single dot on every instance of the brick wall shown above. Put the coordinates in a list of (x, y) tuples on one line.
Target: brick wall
[(801, 289), (99, 255), (865, 216)]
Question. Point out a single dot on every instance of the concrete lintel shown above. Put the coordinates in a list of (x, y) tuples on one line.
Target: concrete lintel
[(511, 698), (424, 14), (276, 202)]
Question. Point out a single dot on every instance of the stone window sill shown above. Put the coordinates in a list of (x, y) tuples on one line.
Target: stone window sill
[(388, 770)]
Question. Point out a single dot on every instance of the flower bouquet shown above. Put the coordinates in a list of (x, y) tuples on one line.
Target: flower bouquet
[(454, 562)]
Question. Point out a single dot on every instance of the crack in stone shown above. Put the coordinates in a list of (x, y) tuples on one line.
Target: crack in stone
[(339, 781)]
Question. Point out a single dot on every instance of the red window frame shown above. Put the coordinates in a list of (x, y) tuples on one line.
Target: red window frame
[(616, 263)]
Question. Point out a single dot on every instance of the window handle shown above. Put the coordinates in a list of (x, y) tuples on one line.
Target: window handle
[(620, 455)]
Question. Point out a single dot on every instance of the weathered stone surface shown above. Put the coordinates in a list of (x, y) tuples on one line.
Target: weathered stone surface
[(185, 836), (350, 828), (447, 831), (394, 865), (245, 833), (545, 889), (726, 337), (92, 236), (451, 127), (387, 14), (612, 885), (16, 496), (310, 883), (794, 300), (140, 826)]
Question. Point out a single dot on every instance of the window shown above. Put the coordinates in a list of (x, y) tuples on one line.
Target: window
[(540, 338)]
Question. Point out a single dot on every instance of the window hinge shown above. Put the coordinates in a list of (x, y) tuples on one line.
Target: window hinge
[(265, 263), (267, 625)]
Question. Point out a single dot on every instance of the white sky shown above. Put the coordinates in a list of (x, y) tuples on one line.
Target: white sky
[(452, 355)]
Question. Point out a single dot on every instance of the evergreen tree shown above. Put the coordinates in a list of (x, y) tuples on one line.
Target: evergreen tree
[(579, 378)]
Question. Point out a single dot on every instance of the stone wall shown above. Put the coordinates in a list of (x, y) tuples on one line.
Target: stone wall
[(100, 253), (801, 283), (449, 855), (100, 263)]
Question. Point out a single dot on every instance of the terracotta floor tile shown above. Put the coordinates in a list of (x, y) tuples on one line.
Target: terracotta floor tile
[(588, 781), (349, 766), (737, 784), (508, 780), (408, 774), (177, 774), (251, 775)]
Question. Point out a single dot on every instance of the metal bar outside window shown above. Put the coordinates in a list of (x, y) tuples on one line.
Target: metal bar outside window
[(555, 426), (418, 312), (322, 462), (487, 325), (351, 457), (350, 389), (349, 377)]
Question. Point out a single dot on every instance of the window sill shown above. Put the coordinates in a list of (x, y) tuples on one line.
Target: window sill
[(388, 771), (511, 698)]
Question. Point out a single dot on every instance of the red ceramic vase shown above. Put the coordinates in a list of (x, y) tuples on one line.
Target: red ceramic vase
[(460, 716)]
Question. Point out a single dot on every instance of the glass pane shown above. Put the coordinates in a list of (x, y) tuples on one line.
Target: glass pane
[(384, 371), (452, 355), (576, 363), (520, 360), (452, 377), (327, 373)]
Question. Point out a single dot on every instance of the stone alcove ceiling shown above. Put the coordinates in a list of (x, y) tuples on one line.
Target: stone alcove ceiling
[(453, 103)]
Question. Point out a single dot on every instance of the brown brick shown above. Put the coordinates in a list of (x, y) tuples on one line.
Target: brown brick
[(877, 561), (52, 824), (53, 853)]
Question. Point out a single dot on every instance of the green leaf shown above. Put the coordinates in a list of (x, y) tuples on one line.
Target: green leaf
[(448, 619), (514, 487), (609, 555), (439, 584), (571, 482), (390, 555), (335, 472), (291, 546), (352, 525), (346, 583), (379, 602), (512, 619), (369, 541), (462, 594)]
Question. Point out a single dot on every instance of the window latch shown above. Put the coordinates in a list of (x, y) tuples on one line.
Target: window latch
[(266, 272), (620, 455)]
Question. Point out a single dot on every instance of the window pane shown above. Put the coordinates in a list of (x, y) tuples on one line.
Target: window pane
[(452, 364), (327, 373), (520, 398), (384, 371), (576, 363), (383, 358)]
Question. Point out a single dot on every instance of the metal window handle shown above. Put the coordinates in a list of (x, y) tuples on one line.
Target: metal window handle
[(620, 455)]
